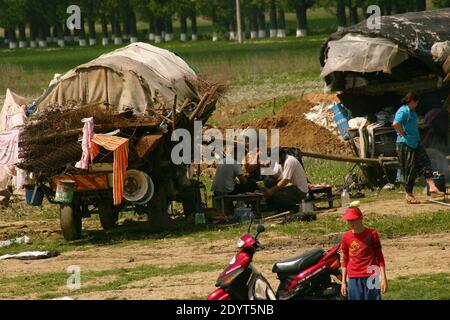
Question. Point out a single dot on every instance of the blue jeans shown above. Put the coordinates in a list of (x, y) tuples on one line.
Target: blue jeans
[(358, 290)]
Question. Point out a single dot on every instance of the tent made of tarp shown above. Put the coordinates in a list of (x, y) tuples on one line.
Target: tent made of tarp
[(137, 77), (412, 33)]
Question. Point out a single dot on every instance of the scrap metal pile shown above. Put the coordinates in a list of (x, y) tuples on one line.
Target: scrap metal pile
[(140, 90)]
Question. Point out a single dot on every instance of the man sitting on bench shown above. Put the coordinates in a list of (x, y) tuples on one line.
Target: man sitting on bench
[(291, 189)]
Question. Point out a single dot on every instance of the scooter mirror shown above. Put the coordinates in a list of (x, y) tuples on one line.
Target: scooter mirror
[(260, 228)]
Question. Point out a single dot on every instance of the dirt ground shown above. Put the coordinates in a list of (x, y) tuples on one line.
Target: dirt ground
[(409, 255), (296, 131)]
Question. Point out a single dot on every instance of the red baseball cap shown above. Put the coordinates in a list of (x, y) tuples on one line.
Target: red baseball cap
[(352, 214)]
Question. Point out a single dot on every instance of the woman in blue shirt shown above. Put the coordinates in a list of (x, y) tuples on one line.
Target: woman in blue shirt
[(413, 158)]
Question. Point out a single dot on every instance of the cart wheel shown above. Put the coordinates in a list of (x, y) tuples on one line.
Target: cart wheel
[(109, 215), (70, 219)]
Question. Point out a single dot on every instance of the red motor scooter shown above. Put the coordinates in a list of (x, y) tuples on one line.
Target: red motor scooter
[(312, 275)]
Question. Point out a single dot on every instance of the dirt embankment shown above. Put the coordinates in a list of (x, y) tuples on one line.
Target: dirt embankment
[(296, 131)]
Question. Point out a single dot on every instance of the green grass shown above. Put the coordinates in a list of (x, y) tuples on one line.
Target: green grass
[(317, 231), (265, 62), (52, 285), (28, 71), (421, 287)]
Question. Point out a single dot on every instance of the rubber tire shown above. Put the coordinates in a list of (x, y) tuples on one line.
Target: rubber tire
[(70, 220), (108, 216)]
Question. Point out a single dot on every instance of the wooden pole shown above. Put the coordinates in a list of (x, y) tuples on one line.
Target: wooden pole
[(174, 111), (378, 161), (440, 202), (239, 22)]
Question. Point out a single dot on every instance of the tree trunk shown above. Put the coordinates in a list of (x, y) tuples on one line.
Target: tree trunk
[(82, 33), (421, 5), (261, 23), (105, 33), (22, 35), (169, 29), (117, 31), (42, 35), (273, 19), (133, 27), (126, 28), (341, 15), (388, 7), (60, 35), (353, 12), (158, 29), (92, 32), (253, 23), (183, 27), (12, 38), (33, 34), (67, 33), (302, 22), (281, 23), (399, 7), (151, 29), (194, 25)]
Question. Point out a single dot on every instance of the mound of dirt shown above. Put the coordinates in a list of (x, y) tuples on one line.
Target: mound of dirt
[(296, 131)]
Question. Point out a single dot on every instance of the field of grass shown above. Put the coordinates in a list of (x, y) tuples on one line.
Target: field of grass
[(259, 62)]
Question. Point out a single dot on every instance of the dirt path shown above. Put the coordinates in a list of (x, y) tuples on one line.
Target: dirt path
[(405, 256)]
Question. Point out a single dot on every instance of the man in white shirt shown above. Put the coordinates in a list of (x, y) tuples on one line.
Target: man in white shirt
[(292, 187)]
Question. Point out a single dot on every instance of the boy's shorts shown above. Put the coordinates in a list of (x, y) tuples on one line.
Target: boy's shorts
[(358, 289)]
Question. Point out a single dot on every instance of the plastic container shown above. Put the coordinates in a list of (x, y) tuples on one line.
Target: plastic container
[(64, 191), (38, 198), (345, 199), (200, 218), (341, 119)]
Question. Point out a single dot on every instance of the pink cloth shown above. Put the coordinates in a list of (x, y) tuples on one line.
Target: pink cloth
[(88, 134), (9, 147)]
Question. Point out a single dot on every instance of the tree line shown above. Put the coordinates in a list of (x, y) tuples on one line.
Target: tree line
[(37, 23)]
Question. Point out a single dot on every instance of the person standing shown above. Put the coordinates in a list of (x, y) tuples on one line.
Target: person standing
[(413, 158), (363, 267)]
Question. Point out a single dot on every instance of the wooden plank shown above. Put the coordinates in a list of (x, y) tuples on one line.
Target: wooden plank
[(378, 161)]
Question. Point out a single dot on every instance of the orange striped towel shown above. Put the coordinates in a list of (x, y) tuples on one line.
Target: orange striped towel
[(120, 147)]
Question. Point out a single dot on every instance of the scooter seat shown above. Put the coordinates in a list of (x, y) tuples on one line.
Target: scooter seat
[(301, 262)]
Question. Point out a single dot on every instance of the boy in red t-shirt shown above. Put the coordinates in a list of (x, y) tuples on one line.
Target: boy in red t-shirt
[(363, 260)]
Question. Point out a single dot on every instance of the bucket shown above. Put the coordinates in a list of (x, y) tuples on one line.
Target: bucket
[(64, 191), (138, 187), (38, 197)]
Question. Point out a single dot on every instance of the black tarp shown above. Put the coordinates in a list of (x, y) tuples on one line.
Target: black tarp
[(416, 32)]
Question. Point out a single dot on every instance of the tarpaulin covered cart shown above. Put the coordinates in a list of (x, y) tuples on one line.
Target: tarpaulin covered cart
[(119, 157)]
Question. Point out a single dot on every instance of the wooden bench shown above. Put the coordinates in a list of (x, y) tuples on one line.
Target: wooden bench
[(326, 193), (254, 199)]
